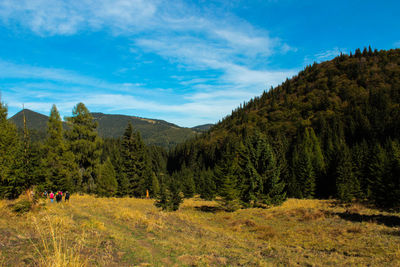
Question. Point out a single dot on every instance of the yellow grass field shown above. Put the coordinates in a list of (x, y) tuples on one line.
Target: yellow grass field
[(91, 231)]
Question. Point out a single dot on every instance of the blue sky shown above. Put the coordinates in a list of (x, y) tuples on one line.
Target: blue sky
[(187, 62)]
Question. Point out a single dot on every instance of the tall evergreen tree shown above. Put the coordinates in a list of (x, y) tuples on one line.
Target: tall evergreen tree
[(135, 163), (59, 164), (9, 144), (107, 183), (226, 173), (347, 184), (392, 181), (273, 188), (85, 144), (378, 164), (207, 188)]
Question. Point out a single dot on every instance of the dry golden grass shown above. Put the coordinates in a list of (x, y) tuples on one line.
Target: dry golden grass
[(92, 231)]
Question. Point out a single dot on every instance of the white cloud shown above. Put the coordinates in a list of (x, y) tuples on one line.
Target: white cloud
[(190, 38), (58, 17), (397, 44), (326, 55)]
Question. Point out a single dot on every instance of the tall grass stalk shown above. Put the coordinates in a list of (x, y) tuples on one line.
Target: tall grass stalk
[(52, 246)]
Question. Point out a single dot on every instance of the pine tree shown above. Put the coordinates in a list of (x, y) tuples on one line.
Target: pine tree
[(347, 184), (378, 170), (305, 174), (273, 187), (207, 185), (308, 162), (59, 165), (360, 159), (155, 185), (85, 144), (135, 162), (170, 196), (392, 181), (187, 180), (107, 183), (9, 144), (227, 174)]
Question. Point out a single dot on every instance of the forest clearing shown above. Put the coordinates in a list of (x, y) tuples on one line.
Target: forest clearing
[(91, 231)]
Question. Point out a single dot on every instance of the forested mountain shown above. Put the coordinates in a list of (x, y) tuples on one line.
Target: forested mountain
[(154, 132), (203, 128), (334, 130)]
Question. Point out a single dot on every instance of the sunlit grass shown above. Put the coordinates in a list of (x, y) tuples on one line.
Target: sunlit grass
[(119, 232)]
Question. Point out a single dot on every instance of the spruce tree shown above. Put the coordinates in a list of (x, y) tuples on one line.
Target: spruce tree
[(226, 173), (273, 192), (170, 196), (9, 144), (305, 173), (187, 180), (85, 144), (107, 183), (135, 163), (207, 185), (155, 185), (392, 181), (59, 165), (378, 164), (347, 184)]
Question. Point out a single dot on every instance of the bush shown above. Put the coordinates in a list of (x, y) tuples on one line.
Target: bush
[(21, 206)]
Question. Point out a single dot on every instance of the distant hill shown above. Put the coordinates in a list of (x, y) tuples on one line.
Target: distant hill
[(203, 128), (154, 132), (334, 129)]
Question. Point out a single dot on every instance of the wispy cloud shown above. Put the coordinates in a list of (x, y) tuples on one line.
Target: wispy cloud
[(326, 55), (190, 38)]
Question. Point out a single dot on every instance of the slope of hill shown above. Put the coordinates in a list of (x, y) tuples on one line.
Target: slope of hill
[(334, 128), (203, 128), (34, 120), (155, 132)]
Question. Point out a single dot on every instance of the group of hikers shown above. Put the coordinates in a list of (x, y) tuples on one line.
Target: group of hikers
[(58, 196)]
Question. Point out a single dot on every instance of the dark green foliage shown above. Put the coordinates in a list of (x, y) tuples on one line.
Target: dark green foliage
[(332, 131), (170, 196), (154, 132), (59, 168), (187, 181), (392, 181), (155, 186), (107, 183), (347, 184), (9, 144), (228, 185), (207, 188), (21, 206), (350, 101), (136, 166), (85, 144)]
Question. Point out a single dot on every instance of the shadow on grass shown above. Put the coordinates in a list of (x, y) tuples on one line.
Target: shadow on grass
[(388, 220), (212, 209)]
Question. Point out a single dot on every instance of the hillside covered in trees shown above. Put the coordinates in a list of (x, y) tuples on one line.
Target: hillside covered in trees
[(154, 132), (332, 131)]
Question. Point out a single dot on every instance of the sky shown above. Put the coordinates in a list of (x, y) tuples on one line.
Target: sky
[(186, 62)]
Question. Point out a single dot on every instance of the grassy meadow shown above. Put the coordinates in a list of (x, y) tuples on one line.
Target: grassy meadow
[(91, 231)]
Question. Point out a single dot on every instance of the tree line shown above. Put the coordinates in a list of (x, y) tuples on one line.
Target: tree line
[(332, 131), (76, 159)]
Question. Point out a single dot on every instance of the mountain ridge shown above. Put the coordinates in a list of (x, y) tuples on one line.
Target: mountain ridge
[(153, 131)]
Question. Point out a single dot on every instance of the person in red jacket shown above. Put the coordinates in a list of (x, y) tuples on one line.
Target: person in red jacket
[(51, 196)]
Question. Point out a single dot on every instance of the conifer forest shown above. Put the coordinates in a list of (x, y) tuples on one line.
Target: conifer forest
[(330, 132)]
